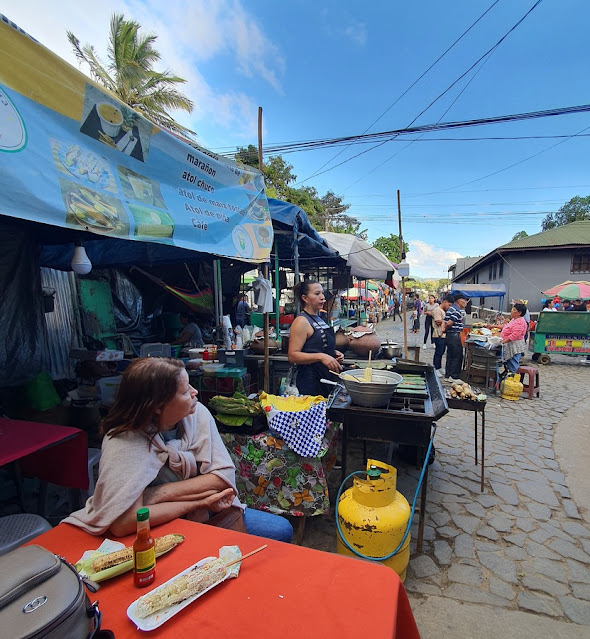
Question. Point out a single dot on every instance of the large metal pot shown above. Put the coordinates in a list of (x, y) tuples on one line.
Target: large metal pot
[(257, 344), (391, 349), (373, 394)]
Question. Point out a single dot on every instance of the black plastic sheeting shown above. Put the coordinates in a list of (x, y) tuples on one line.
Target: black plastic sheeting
[(22, 328)]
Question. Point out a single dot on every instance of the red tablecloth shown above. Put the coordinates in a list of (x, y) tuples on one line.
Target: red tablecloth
[(284, 591), (58, 454)]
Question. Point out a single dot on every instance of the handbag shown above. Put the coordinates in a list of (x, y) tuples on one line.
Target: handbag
[(231, 518), (43, 597)]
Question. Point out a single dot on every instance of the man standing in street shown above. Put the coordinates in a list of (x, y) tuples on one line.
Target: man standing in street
[(453, 328), (438, 332)]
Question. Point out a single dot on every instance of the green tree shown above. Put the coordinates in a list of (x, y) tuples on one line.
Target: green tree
[(578, 208), (129, 73), (389, 246), (325, 213), (519, 236)]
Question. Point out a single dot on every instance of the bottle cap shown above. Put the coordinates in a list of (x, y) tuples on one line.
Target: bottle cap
[(143, 514)]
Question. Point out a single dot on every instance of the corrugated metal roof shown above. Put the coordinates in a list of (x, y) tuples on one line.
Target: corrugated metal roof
[(566, 235)]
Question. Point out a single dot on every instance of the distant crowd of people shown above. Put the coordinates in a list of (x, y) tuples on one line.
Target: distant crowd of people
[(556, 304)]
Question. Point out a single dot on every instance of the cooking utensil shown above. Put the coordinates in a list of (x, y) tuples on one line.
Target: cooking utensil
[(368, 374), (374, 394), (391, 350)]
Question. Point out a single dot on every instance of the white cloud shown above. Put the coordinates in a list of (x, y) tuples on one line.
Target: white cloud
[(190, 33), (357, 32), (427, 260)]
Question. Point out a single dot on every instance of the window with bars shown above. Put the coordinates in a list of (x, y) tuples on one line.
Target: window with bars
[(581, 262)]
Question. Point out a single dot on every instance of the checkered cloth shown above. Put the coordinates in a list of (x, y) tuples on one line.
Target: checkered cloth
[(303, 431)]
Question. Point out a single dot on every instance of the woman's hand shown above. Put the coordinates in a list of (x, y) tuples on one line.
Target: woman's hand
[(220, 501), (331, 363), (339, 356)]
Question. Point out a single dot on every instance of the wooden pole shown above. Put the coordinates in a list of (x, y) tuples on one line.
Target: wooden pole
[(403, 255), (265, 271)]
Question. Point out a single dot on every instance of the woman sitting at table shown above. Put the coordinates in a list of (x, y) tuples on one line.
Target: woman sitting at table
[(312, 342), (161, 449), (513, 337)]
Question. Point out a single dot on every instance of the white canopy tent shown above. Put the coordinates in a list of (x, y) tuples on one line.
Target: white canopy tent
[(364, 260)]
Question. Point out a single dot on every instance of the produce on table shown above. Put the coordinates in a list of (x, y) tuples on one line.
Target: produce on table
[(462, 391), (181, 588), (236, 410)]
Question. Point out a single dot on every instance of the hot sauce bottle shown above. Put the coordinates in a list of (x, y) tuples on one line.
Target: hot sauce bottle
[(144, 551)]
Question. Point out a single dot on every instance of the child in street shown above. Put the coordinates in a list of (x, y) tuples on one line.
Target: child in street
[(415, 321)]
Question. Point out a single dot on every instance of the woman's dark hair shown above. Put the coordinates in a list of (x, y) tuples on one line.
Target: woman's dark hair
[(302, 288), (521, 308), (147, 385)]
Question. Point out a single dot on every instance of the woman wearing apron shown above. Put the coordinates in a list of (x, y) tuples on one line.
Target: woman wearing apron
[(312, 342)]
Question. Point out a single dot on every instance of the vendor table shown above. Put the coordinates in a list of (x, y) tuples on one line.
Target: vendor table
[(271, 476), (284, 591), (475, 407), (56, 454)]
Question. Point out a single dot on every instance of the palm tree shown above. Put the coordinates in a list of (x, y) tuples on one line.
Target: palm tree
[(130, 76)]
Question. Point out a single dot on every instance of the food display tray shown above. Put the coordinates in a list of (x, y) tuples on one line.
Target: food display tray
[(162, 616)]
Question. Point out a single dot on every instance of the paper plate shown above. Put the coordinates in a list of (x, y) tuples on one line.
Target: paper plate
[(162, 616)]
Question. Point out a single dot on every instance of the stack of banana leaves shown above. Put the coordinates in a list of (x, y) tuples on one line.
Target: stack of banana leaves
[(237, 410)]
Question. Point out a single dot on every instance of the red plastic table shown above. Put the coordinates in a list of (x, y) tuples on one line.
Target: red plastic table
[(284, 591), (57, 454)]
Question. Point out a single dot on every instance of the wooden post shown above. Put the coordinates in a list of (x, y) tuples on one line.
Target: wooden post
[(265, 270), (403, 254)]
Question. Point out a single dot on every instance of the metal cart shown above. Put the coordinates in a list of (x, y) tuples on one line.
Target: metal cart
[(563, 332)]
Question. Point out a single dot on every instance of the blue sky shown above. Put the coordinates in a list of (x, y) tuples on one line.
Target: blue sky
[(330, 69)]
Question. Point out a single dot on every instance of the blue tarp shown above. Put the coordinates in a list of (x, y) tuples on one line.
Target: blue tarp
[(313, 250), (479, 290)]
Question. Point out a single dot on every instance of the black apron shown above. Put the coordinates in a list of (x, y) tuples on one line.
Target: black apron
[(323, 340)]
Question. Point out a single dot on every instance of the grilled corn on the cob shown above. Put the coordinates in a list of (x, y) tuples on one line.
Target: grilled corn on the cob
[(181, 588), (163, 544)]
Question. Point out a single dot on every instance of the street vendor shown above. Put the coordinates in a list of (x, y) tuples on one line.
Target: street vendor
[(312, 342), (162, 450), (190, 334), (453, 328), (513, 337)]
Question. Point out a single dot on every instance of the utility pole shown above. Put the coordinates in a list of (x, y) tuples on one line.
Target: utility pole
[(403, 254)]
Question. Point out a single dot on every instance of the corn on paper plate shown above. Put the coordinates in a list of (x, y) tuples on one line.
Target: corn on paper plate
[(160, 617)]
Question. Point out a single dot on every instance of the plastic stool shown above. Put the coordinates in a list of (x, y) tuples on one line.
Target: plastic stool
[(93, 460), (531, 386), (16, 530)]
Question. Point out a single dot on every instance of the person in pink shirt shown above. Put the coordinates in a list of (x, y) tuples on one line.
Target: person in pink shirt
[(513, 337)]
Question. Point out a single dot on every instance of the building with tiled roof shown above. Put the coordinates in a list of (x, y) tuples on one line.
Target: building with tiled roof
[(533, 264)]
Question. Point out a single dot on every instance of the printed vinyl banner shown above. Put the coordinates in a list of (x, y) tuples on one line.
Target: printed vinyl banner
[(72, 155)]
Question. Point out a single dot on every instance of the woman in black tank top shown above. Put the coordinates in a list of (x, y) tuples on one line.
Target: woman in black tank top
[(312, 342)]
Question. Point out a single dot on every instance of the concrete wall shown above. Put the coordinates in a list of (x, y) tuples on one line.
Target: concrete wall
[(525, 275)]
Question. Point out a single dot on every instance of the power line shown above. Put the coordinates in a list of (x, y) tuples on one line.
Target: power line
[(406, 91), (537, 3), (441, 126)]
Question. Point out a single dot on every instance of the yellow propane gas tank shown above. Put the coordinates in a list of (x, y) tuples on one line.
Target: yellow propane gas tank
[(511, 388), (373, 517)]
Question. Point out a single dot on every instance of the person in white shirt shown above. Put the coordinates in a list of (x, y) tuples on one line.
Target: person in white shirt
[(549, 306)]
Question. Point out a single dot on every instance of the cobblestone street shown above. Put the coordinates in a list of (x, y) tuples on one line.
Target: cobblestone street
[(523, 544)]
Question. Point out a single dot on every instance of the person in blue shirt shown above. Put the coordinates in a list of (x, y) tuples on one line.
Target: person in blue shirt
[(453, 328)]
